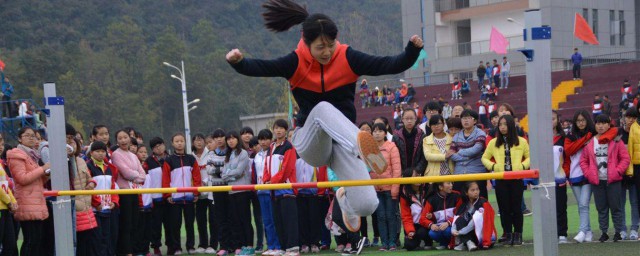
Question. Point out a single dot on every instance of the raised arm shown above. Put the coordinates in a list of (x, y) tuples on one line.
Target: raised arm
[(281, 67), (364, 64)]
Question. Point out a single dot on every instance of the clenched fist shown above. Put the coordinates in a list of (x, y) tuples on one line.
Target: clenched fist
[(234, 56), (415, 40)]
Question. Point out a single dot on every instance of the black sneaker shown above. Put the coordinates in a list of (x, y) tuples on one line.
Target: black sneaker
[(527, 212), (508, 239), (517, 239), (357, 249), (617, 237), (603, 238), (502, 238)]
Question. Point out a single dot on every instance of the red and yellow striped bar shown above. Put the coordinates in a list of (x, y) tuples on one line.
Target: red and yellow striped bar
[(529, 174)]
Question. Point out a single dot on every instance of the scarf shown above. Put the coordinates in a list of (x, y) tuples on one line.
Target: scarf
[(35, 156)]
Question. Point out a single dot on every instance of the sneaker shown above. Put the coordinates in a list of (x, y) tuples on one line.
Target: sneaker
[(259, 249), (471, 246), (623, 235), (324, 247), (238, 251), (382, 249), (502, 238), (315, 249), (427, 247), (359, 247), (392, 248), (633, 235), (460, 247), (370, 153), (588, 237), (249, 251), (508, 239), (440, 247), (193, 251), (267, 253), (517, 239), (562, 240), (376, 241), (347, 248), (156, 251), (210, 250), (178, 252), (617, 237), (340, 248), (222, 253), (305, 249), (278, 252), (580, 237), (199, 250), (367, 243), (351, 221), (604, 237), (527, 212)]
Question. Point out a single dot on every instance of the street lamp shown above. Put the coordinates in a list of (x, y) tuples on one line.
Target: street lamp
[(193, 101), (515, 21), (192, 108), (187, 130)]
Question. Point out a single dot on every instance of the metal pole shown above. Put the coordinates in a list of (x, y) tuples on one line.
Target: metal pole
[(545, 238), (62, 211), (187, 129)]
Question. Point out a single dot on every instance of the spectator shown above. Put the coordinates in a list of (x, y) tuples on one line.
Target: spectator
[(504, 74), (489, 72), (485, 88), (466, 150), (482, 112), (626, 90), (390, 98), (480, 72), (606, 105), (435, 147), (430, 109), (457, 111), (493, 120), (456, 88), (496, 72), (404, 91), (411, 93), (491, 106), (576, 59), (381, 96), (454, 126), (397, 96), (466, 88), (7, 91), (597, 106), (446, 110), (628, 183)]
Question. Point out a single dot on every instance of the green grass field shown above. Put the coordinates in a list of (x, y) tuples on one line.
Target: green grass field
[(595, 248)]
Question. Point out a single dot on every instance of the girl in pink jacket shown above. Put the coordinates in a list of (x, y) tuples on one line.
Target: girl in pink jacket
[(604, 160), (387, 194)]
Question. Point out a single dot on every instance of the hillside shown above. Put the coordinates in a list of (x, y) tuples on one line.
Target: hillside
[(106, 56)]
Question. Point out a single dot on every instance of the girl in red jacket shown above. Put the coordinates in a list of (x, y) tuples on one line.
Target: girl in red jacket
[(412, 200), (604, 160), (474, 225), (438, 212)]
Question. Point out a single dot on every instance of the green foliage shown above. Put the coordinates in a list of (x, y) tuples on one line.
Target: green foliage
[(106, 56)]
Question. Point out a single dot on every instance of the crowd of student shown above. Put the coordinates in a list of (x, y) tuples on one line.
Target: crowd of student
[(590, 156)]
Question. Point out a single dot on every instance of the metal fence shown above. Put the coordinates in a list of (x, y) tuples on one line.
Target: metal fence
[(475, 47), (517, 69), (448, 5)]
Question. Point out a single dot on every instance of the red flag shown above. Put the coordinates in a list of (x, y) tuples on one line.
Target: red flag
[(1, 65), (582, 30)]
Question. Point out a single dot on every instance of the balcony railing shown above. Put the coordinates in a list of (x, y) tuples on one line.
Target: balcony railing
[(475, 47), (448, 5)]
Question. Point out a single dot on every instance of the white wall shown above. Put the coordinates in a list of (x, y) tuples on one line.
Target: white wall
[(481, 27)]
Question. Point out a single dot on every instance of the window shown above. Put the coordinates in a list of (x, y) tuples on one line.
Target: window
[(594, 23), (612, 27), (622, 27)]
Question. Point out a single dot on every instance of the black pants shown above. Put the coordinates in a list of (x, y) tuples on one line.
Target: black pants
[(103, 235), (257, 218), (285, 216), (324, 209), (636, 180), (143, 233), (222, 220), (421, 234), (129, 215), (159, 216), (496, 79), (87, 243), (204, 216), (32, 232), (48, 233), (242, 232), (364, 227), (174, 222), (115, 230), (310, 219), (482, 184), (509, 195), (576, 70), (7, 234), (607, 198), (561, 210)]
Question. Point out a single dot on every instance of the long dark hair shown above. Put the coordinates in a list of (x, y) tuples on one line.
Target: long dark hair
[(237, 150), (591, 126), (512, 133), (281, 15), (193, 140), (558, 129), (434, 188)]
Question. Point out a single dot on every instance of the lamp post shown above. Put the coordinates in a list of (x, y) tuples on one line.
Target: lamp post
[(187, 129)]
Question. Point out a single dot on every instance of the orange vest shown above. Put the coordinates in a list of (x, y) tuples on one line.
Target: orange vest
[(312, 76)]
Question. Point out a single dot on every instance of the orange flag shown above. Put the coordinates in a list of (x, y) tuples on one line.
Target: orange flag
[(582, 30)]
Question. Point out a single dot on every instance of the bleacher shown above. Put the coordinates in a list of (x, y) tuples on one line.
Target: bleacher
[(603, 80), (10, 125)]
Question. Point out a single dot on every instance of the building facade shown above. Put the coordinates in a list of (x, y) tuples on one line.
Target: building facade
[(456, 32)]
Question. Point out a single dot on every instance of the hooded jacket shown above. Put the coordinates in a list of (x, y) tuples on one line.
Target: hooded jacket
[(419, 162), (394, 170), (29, 180), (617, 158), (335, 82)]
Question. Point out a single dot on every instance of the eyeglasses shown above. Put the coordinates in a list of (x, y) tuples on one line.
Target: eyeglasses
[(468, 118), (432, 111), (29, 136)]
